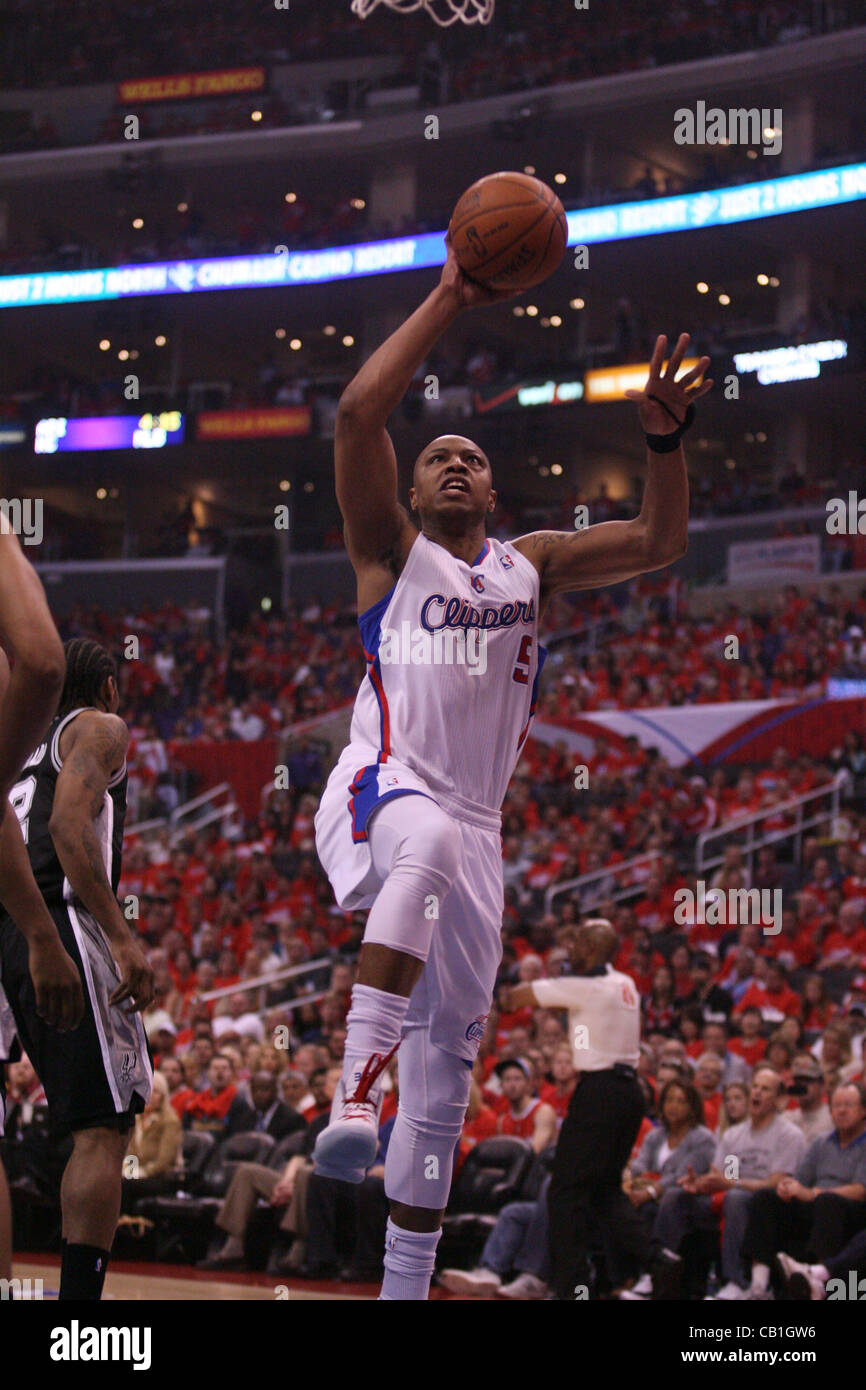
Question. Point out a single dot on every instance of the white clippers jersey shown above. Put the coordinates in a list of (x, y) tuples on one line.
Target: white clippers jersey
[(453, 661)]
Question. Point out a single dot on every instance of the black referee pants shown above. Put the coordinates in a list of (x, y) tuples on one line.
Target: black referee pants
[(586, 1202)]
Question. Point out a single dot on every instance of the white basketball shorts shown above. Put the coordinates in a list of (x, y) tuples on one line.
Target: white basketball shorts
[(454, 994)]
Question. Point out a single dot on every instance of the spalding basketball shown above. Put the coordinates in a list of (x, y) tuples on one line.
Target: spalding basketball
[(509, 231)]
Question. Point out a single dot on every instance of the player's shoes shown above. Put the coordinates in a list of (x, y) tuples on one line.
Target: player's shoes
[(348, 1147), (801, 1284), (472, 1283)]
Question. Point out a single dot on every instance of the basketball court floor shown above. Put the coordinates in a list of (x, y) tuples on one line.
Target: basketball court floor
[(129, 1281)]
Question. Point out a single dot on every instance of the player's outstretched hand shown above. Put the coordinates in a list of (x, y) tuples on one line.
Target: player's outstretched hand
[(677, 395), (59, 996), (136, 976), (468, 293)]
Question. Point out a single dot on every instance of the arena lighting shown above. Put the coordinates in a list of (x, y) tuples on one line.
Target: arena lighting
[(611, 383), (653, 216), (790, 363), (59, 435), (550, 393)]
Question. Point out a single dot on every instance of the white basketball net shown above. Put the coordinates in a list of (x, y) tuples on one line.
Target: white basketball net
[(444, 12)]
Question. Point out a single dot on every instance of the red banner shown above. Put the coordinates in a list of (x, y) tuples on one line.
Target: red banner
[(183, 86), (253, 424), (246, 766)]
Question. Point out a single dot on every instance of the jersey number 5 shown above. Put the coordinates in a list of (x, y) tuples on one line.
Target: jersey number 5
[(21, 799), (523, 659)]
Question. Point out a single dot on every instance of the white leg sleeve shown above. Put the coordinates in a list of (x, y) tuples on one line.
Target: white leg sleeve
[(434, 1094), (416, 850)]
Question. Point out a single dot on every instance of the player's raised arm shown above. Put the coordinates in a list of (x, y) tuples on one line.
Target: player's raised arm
[(366, 466), (93, 752), (614, 551)]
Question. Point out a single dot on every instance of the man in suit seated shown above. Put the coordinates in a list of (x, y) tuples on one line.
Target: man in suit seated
[(286, 1191), (268, 1114)]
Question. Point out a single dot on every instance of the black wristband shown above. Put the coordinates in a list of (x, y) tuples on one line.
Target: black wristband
[(666, 443)]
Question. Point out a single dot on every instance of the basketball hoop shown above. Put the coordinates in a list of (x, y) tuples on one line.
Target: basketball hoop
[(444, 12)]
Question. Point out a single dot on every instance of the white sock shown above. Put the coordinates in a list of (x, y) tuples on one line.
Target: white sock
[(374, 1024), (409, 1260), (760, 1278)]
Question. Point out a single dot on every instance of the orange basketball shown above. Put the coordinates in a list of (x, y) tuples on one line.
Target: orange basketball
[(509, 231)]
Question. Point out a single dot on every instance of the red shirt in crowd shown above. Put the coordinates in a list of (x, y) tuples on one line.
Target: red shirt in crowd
[(780, 1001), (522, 1126)]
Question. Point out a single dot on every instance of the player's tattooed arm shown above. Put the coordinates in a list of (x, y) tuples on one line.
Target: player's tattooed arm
[(614, 551), (94, 752)]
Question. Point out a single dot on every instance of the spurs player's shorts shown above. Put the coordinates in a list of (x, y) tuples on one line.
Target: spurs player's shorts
[(454, 993), (100, 1072)]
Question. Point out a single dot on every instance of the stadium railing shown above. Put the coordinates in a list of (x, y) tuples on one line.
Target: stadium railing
[(178, 825), (748, 826), (216, 811), (604, 881), (266, 982)]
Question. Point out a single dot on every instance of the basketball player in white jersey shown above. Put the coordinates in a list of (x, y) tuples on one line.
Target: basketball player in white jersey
[(409, 823)]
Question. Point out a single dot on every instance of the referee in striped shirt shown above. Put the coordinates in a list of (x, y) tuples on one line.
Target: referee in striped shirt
[(585, 1197)]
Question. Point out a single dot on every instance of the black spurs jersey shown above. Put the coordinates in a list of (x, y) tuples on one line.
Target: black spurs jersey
[(32, 798)]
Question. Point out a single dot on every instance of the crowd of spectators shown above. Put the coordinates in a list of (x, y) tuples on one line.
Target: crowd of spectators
[(52, 45), (276, 670), (222, 906), (747, 1022)]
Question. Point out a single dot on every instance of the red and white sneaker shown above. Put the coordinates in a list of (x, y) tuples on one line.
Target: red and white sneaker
[(348, 1147)]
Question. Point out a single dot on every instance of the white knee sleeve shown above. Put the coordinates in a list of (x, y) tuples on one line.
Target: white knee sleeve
[(416, 850), (434, 1094)]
